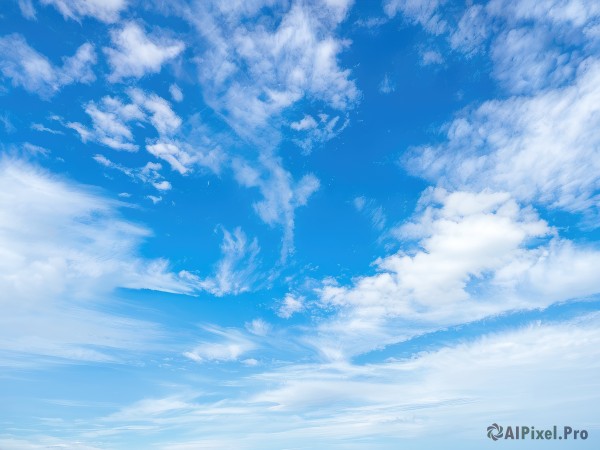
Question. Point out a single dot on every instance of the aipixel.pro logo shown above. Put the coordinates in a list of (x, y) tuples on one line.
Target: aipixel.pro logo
[(497, 432)]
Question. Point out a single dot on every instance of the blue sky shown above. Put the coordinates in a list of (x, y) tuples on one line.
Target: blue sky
[(281, 224)]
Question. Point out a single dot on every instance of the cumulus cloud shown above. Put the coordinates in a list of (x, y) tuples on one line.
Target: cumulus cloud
[(136, 54), (31, 70), (476, 255)]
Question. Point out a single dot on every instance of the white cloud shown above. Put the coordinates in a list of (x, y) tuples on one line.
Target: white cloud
[(35, 73), (372, 210), (6, 123), (258, 327), (569, 13), (252, 72), (290, 305), (231, 347), (532, 147), (64, 249), (111, 119), (42, 128), (476, 255), (524, 63), (415, 402), (135, 54), (431, 57), (27, 9), (308, 122), (162, 116), (236, 271), (183, 157), (35, 150), (176, 93), (281, 194), (103, 10), (471, 31), (423, 12), (386, 86), (313, 133), (154, 199), (149, 173)]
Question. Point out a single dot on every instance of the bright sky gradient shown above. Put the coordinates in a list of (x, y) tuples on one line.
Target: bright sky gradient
[(298, 224)]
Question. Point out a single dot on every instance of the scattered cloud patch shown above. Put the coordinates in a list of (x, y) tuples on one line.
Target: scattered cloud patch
[(290, 305), (373, 211), (281, 195), (423, 12), (136, 54), (258, 327), (520, 145), (176, 93), (104, 10), (32, 71), (431, 57), (230, 347), (236, 271), (27, 9), (253, 72), (112, 119), (147, 174), (386, 86), (312, 133)]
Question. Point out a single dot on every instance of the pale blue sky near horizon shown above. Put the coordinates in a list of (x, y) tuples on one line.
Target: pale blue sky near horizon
[(298, 224)]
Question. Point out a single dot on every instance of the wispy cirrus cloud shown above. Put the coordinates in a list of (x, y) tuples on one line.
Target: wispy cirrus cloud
[(237, 270), (104, 10), (64, 250), (230, 345), (348, 405), (281, 195), (530, 146)]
